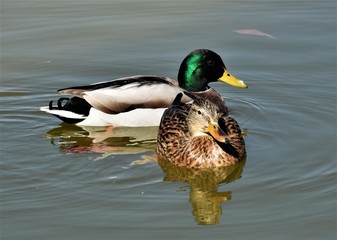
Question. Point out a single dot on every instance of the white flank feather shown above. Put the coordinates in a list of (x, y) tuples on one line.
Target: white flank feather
[(63, 113), (140, 117)]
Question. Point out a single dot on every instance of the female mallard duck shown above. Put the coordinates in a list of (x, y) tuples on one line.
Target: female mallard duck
[(141, 100), (199, 135)]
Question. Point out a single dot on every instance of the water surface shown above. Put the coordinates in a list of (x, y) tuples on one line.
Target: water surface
[(66, 182)]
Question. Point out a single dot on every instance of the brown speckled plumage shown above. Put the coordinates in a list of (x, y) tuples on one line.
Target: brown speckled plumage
[(184, 141)]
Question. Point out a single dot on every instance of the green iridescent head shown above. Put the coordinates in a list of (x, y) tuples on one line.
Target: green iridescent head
[(201, 67)]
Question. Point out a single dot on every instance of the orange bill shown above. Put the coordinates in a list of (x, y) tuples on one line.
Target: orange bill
[(217, 133)]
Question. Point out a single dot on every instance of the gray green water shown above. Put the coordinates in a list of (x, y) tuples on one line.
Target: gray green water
[(64, 182)]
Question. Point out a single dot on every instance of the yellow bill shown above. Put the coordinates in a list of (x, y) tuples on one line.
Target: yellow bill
[(231, 80)]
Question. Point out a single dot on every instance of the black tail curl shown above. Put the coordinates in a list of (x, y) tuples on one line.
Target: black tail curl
[(74, 104), (59, 104)]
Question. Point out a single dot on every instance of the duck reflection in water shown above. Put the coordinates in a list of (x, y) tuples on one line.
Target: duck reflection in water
[(205, 199), (106, 141)]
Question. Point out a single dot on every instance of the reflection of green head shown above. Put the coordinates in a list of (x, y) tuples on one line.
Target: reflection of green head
[(198, 69)]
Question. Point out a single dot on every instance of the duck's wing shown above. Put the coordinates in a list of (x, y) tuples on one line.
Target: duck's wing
[(125, 94)]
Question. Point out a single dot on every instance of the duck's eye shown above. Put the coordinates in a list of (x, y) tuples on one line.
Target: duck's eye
[(210, 62), (199, 112)]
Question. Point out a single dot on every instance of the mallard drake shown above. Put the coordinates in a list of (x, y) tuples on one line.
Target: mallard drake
[(199, 135), (141, 100)]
